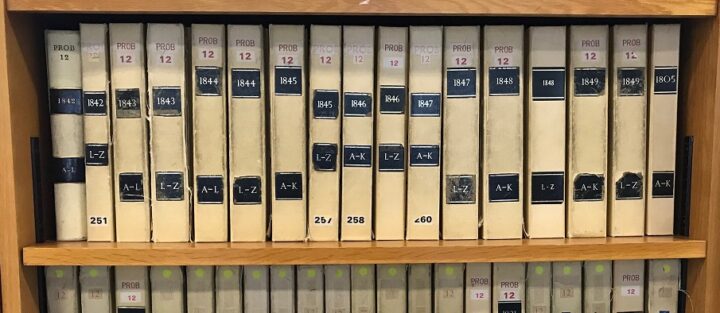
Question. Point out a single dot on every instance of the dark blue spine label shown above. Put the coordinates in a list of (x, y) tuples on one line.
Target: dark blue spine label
[(324, 156), (504, 187), (246, 83), (357, 104), (208, 81), (130, 187), (69, 170), (169, 186), (424, 155), (425, 104), (461, 82), (65, 101), (288, 80), (666, 80), (95, 103), (127, 103), (96, 154), (210, 189), (391, 158), (548, 83), (393, 99), (325, 104), (504, 81), (357, 156), (247, 190), (167, 101)]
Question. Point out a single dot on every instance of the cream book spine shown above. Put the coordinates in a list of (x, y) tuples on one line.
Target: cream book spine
[(209, 135), (97, 133), (168, 149), (246, 132), (362, 288), (200, 289), (597, 286), (287, 132), (337, 288), (663, 285), (167, 289), (61, 285), (478, 287), (538, 287), (129, 125), (628, 136), (391, 133), (508, 287), (391, 288), (420, 294), (545, 175), (324, 124), (628, 286), (662, 129), (310, 288), (96, 289), (503, 133), (587, 132), (256, 289), (567, 287), (424, 133), (282, 289), (449, 282), (461, 133), (357, 132), (64, 70), (228, 289), (132, 289)]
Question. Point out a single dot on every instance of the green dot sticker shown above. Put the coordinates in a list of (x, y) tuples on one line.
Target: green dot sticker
[(93, 273), (167, 273), (666, 268), (282, 273), (338, 273), (363, 271), (256, 275), (311, 273), (228, 273), (392, 272), (199, 273), (599, 268), (449, 271), (539, 269), (567, 270), (59, 273)]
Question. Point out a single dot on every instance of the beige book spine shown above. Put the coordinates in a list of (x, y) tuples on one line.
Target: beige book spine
[(256, 291), (61, 284), (357, 132), (324, 124), (362, 288), (66, 126), (210, 209), (96, 289), (478, 287), (288, 132), (503, 133), (246, 120), (391, 133), (587, 132), (424, 133), (662, 129), (129, 124), (628, 286), (597, 286), (132, 288), (420, 295), (461, 133), (282, 289), (628, 137), (167, 289), (168, 145), (545, 175), (200, 289), (96, 123), (337, 288), (392, 288), (538, 287), (663, 285), (508, 287), (310, 289), (228, 289), (449, 280), (567, 287)]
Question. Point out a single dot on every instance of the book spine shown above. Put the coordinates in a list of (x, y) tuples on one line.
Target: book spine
[(391, 133), (337, 288), (324, 124), (246, 130), (167, 289), (628, 286), (357, 132), (310, 288), (96, 123), (210, 210), (448, 291), (95, 289), (392, 288), (288, 132), (545, 175), (628, 137), (62, 289), (66, 124), (567, 287), (597, 280), (420, 296), (503, 133), (256, 291), (201, 289), (129, 125), (362, 288), (282, 289), (424, 133), (228, 289), (538, 286), (663, 282), (478, 287), (588, 132), (461, 133), (508, 287), (662, 129), (132, 288)]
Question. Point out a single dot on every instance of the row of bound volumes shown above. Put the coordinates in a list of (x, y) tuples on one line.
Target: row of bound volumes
[(573, 287), (386, 133)]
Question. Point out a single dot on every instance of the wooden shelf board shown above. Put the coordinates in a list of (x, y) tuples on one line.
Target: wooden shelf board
[(374, 252), (580, 8)]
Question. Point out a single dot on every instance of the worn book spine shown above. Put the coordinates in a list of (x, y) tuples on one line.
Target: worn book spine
[(424, 132), (132, 289), (310, 289), (210, 209), (391, 288), (420, 295), (597, 286), (503, 133), (337, 288), (167, 289), (228, 289), (61, 285), (256, 289), (663, 286), (288, 132), (478, 288), (545, 175), (508, 287), (96, 289), (324, 124), (129, 125), (282, 289), (449, 280), (362, 288), (567, 287), (538, 288), (628, 291), (201, 289), (246, 132), (97, 133), (461, 133), (587, 132), (64, 69), (390, 133)]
